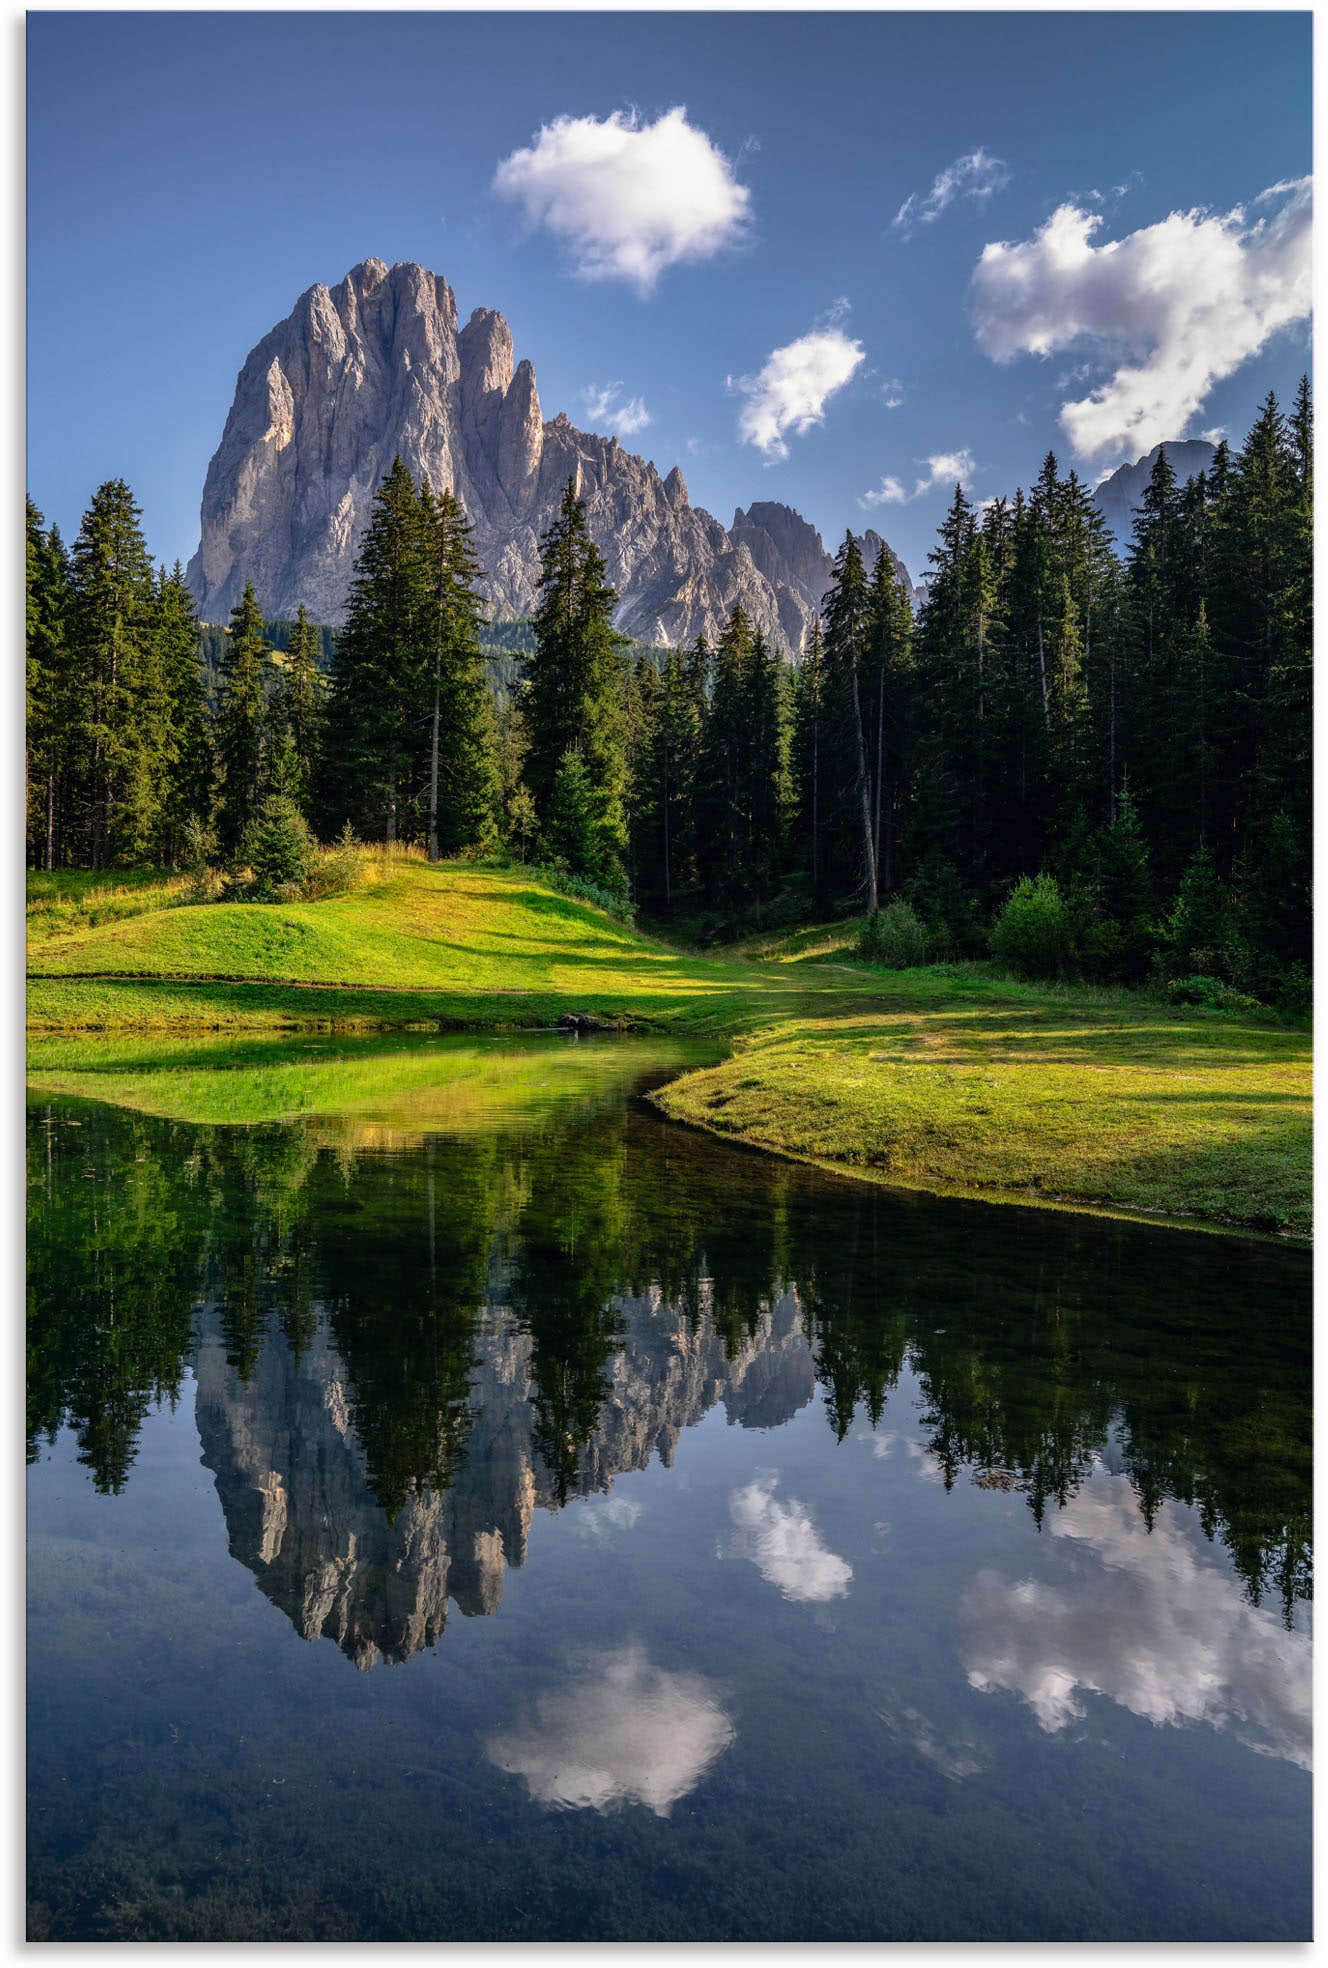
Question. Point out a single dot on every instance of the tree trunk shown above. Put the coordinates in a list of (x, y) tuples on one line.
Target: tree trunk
[(880, 764), (49, 862), (434, 854), (863, 798)]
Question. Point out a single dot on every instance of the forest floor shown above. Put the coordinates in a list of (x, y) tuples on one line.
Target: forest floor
[(947, 1078)]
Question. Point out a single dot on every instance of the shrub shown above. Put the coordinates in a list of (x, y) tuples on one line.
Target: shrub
[(615, 901), (1032, 936), (1209, 993), (278, 849), (336, 870), (893, 938)]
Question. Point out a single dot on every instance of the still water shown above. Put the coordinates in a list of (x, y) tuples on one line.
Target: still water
[(471, 1507)]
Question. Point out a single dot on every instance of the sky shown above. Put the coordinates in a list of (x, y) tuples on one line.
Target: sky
[(836, 260)]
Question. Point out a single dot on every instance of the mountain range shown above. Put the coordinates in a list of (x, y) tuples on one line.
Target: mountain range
[(377, 366)]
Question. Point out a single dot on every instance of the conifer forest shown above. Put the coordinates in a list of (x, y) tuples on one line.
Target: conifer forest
[(1097, 765)]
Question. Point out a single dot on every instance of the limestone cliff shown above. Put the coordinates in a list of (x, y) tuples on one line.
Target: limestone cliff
[(377, 366)]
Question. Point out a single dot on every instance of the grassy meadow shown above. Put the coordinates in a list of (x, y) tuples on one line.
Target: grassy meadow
[(949, 1078)]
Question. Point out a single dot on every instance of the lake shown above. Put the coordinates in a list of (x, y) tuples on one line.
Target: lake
[(464, 1505)]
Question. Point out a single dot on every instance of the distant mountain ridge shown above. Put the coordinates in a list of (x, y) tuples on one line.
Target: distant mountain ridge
[(1118, 497), (375, 367)]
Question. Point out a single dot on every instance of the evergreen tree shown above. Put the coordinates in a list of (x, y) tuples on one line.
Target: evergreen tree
[(244, 737), (299, 710), (462, 784), (187, 790), (847, 629), (379, 702), (576, 680), (114, 679)]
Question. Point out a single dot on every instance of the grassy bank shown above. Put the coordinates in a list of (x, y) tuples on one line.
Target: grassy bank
[(932, 1079), (1000, 1089)]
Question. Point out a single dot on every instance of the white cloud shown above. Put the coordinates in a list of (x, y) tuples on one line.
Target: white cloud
[(784, 1544), (892, 393), (623, 1732), (976, 176), (603, 407), (947, 468), (790, 393), (1156, 1625), (1174, 308), (629, 198)]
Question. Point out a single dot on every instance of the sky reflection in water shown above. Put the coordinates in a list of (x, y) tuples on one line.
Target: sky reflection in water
[(845, 1565)]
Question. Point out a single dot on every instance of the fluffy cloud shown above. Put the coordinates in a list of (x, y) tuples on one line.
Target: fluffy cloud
[(791, 391), (603, 407), (784, 1544), (946, 468), (628, 198), (976, 176), (1155, 1625), (623, 1732), (1175, 307)]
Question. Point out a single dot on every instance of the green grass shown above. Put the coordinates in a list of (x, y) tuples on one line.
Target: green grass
[(72, 901), (942, 1078), (451, 945), (998, 1088)]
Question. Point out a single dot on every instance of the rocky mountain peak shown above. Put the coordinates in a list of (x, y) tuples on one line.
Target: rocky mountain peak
[(376, 368)]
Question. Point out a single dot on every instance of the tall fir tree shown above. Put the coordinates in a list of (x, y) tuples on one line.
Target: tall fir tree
[(244, 729), (575, 682)]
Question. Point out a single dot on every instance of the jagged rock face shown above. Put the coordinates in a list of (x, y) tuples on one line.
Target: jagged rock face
[(377, 367), (789, 551), (302, 1516), (1118, 496)]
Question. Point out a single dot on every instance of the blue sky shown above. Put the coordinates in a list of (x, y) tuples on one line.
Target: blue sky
[(741, 275)]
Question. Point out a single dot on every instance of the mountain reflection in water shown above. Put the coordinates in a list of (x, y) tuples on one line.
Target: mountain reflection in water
[(401, 1354), (840, 1564)]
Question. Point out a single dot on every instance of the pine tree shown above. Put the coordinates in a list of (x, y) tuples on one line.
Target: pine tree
[(118, 705), (299, 710), (462, 785), (847, 628), (575, 680), (49, 705), (187, 793), (244, 735), (379, 703)]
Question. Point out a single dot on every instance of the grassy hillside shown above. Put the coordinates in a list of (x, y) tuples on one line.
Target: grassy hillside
[(944, 1078), (456, 944)]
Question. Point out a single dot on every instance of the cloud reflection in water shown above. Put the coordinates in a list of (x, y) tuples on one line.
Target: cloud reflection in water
[(622, 1732), (1157, 1626)]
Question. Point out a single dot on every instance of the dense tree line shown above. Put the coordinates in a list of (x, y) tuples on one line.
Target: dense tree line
[(1128, 739)]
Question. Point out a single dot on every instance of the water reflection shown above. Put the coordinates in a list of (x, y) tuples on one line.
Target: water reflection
[(301, 1511), (1152, 1623), (619, 1731), (783, 1543), (402, 1352)]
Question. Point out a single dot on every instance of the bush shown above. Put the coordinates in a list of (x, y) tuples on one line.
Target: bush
[(336, 870), (893, 938), (1210, 994), (278, 849), (1033, 935), (614, 901)]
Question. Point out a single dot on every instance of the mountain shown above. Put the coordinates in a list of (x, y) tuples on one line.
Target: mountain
[(377, 366), (1118, 496), (290, 1470)]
